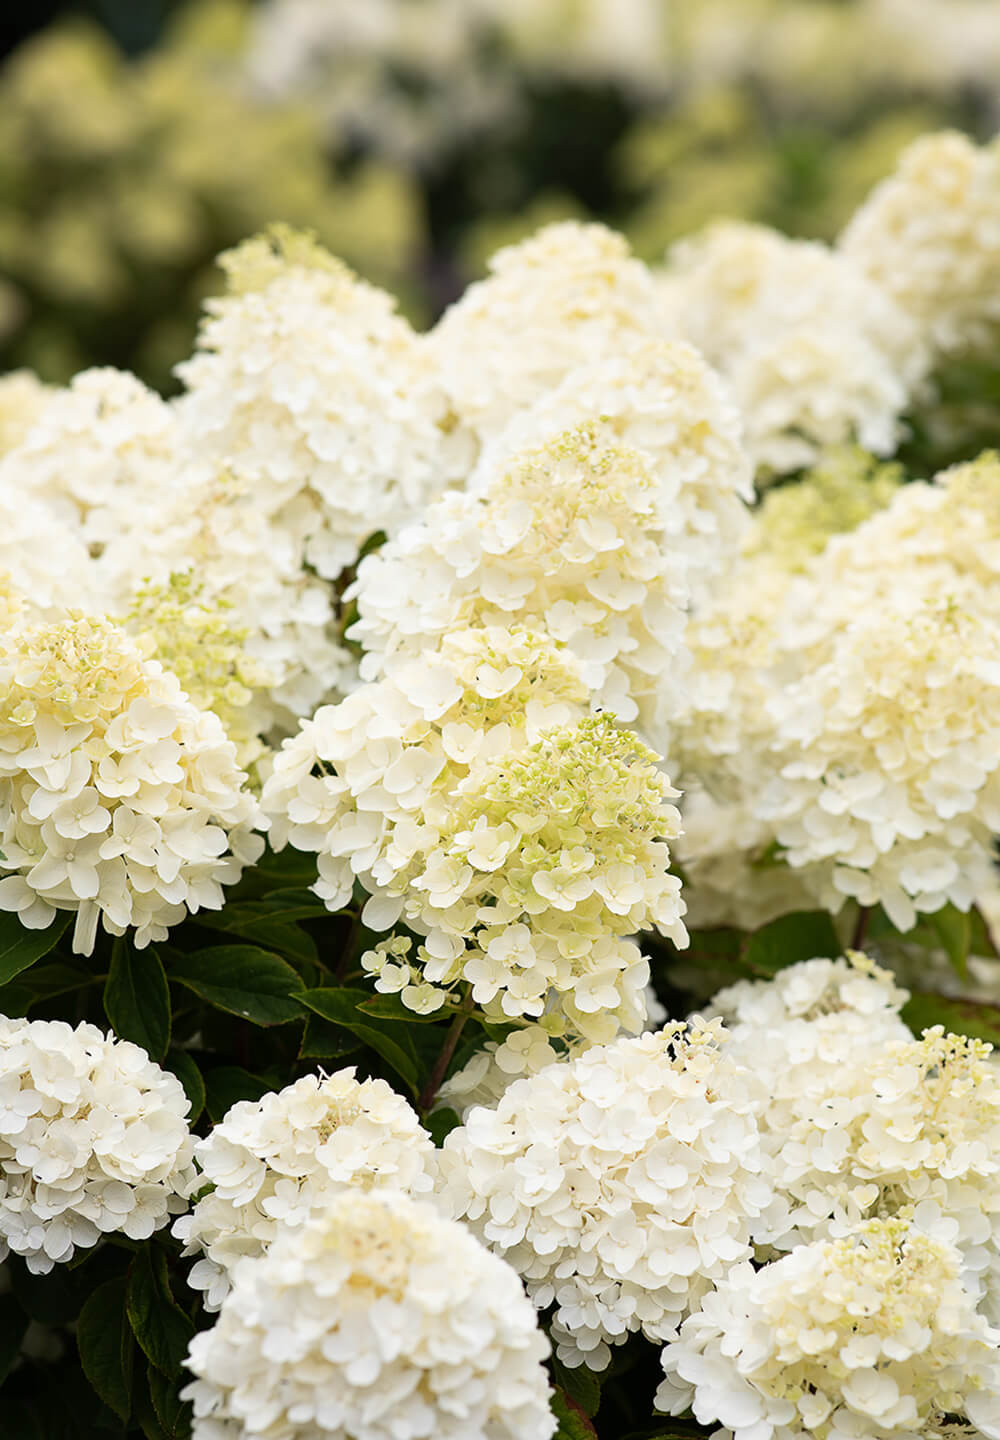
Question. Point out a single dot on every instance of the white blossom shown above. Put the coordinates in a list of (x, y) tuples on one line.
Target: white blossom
[(870, 1335), (273, 1162), (620, 1184), (376, 1320), (94, 1140), (119, 799)]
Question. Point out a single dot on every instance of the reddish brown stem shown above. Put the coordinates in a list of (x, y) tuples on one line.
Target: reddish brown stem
[(860, 928), (429, 1093)]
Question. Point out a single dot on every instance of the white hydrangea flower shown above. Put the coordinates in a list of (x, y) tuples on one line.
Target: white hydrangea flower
[(119, 799), (570, 540), (816, 353), (929, 236), (377, 1320), (40, 556), (660, 397), (309, 387), (23, 397), (528, 877), (357, 769), (906, 1127), (216, 532), (887, 764), (273, 1162), (524, 843), (486, 1077), (99, 455), (93, 1140), (871, 1335), (571, 290), (620, 1184)]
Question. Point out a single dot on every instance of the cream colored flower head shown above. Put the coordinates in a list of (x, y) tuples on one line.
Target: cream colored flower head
[(120, 800)]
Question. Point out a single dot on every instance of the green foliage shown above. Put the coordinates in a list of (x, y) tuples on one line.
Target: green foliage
[(104, 1338), (137, 998), (20, 948)]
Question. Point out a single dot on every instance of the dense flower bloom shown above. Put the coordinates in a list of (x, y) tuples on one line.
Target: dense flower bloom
[(377, 1320), (844, 487), (817, 353), (888, 766), (619, 1184), (569, 539), (929, 236), (40, 556), (311, 388), (215, 531), (99, 455), (119, 798), (23, 397), (522, 842), (529, 878), (572, 290), (270, 1163), (660, 397), (869, 1335), (196, 640), (93, 1140)]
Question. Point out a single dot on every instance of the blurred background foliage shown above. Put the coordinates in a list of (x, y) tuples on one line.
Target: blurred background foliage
[(138, 138)]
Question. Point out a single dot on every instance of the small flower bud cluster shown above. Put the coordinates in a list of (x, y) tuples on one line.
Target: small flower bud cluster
[(94, 1140)]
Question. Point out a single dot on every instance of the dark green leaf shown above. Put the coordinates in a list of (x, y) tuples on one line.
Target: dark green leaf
[(323, 1041), (227, 1085), (20, 948), (173, 1413), (104, 1341), (954, 931), (387, 1038), (158, 1323), (242, 980), (137, 998), (56, 978), (440, 1123), (963, 1017), (187, 1072), (580, 1385), (574, 1423), (801, 936), (13, 1324)]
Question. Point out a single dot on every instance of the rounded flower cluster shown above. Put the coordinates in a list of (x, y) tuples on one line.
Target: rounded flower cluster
[(312, 389), (214, 531), (119, 799), (871, 1335), (569, 540), (93, 1140), (929, 236), (355, 769), (195, 640), (530, 876), (660, 397), (817, 353), (888, 772), (570, 290), (99, 455), (271, 1163), (377, 1320), (906, 1127), (620, 1184)]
